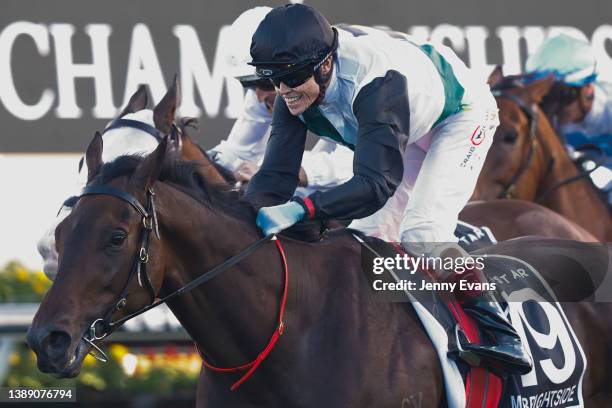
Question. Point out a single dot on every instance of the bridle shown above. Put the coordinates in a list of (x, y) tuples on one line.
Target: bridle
[(175, 133), (139, 266), (136, 124), (531, 112), (103, 326)]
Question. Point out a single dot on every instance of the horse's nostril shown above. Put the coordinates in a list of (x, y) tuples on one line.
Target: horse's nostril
[(57, 342)]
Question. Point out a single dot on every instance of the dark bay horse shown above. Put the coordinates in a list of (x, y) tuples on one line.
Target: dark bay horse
[(232, 316), (528, 161), (338, 348)]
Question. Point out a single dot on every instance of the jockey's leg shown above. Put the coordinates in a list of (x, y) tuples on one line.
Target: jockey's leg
[(448, 177), (444, 185)]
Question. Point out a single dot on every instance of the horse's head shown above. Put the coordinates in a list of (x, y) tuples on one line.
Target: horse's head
[(101, 262), (510, 158)]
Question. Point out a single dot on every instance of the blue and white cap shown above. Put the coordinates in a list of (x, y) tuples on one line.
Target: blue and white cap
[(571, 60)]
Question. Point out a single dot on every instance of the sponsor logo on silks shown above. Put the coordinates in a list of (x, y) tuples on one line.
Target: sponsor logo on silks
[(478, 136), (468, 156)]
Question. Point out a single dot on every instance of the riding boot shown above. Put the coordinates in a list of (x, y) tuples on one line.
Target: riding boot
[(500, 347), (502, 350)]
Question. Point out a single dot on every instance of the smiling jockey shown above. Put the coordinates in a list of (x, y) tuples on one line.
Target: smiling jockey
[(420, 125), (579, 106), (326, 165)]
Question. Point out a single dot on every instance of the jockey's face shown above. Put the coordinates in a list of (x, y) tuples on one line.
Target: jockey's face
[(266, 96), (300, 98), (577, 109)]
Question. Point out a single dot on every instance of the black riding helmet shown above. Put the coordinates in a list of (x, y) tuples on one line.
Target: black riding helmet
[(290, 38)]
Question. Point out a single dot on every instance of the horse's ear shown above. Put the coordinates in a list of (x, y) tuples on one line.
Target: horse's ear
[(537, 90), (495, 76), (148, 171), (93, 157), (163, 113), (137, 102)]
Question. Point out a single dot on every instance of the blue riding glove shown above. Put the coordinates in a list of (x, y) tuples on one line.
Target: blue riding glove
[(272, 220)]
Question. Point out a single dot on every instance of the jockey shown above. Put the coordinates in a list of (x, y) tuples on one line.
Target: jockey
[(419, 123), (579, 106), (326, 165)]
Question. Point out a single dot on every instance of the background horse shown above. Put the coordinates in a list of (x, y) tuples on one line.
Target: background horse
[(338, 347), (139, 133), (528, 161), (509, 219)]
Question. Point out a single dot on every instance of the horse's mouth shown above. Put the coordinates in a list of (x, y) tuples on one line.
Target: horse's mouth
[(74, 364)]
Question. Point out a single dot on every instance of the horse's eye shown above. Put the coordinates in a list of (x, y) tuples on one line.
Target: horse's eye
[(510, 137), (117, 238)]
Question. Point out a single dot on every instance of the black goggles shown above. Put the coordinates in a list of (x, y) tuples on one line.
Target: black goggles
[(289, 74), (294, 78), (263, 84)]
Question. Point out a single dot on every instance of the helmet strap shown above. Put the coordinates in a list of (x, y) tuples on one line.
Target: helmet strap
[(323, 80)]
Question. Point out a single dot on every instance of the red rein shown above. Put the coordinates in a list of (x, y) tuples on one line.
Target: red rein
[(252, 366)]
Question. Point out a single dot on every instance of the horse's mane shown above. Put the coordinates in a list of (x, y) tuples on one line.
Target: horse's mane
[(184, 176)]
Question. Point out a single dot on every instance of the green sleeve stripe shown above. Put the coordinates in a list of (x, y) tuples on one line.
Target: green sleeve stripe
[(453, 91)]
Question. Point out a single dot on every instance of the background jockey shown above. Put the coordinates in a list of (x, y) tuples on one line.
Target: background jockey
[(420, 125), (578, 105), (326, 165)]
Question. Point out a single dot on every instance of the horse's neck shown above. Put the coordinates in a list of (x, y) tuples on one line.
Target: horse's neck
[(207, 169), (232, 315), (577, 200)]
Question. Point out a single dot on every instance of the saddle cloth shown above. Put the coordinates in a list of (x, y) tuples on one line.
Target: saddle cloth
[(559, 365)]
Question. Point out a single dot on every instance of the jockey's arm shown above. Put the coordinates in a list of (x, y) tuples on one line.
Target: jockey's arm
[(248, 137), (327, 165), (383, 116), (277, 179)]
